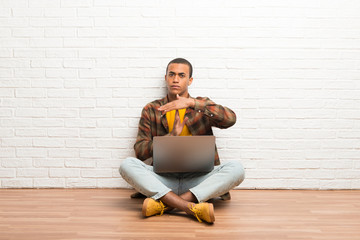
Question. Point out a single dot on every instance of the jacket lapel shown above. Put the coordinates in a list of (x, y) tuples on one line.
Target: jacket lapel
[(163, 116)]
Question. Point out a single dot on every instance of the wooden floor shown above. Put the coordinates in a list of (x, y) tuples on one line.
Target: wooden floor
[(111, 214)]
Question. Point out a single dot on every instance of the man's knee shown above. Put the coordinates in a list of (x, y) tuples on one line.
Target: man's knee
[(127, 164), (238, 171)]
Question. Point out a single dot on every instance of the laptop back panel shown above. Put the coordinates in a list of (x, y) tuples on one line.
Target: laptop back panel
[(183, 154)]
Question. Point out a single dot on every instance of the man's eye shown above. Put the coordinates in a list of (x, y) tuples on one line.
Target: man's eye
[(182, 76)]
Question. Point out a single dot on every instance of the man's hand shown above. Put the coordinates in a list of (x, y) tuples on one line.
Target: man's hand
[(178, 126), (179, 103)]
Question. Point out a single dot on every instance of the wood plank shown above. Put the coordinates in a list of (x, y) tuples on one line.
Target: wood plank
[(111, 214)]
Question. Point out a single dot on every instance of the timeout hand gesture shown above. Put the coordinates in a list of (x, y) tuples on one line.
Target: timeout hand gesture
[(178, 126), (179, 103)]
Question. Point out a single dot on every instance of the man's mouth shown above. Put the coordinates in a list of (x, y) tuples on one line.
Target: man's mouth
[(174, 86)]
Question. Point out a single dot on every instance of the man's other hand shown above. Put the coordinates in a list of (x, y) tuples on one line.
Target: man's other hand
[(178, 126), (179, 103)]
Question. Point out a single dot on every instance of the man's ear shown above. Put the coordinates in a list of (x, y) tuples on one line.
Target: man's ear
[(190, 81)]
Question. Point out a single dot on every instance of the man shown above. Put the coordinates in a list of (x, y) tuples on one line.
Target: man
[(178, 114)]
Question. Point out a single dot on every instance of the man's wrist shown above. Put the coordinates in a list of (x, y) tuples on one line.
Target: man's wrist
[(191, 102)]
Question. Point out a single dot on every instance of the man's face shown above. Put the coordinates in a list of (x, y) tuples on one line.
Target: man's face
[(178, 79)]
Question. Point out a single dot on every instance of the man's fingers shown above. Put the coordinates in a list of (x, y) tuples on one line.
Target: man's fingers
[(185, 119), (177, 117)]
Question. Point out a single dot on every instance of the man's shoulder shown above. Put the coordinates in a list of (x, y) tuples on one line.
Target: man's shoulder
[(154, 104), (202, 98)]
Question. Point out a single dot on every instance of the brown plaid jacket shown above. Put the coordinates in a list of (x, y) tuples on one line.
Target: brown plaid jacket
[(202, 117)]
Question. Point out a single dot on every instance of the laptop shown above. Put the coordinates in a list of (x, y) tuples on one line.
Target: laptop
[(183, 154)]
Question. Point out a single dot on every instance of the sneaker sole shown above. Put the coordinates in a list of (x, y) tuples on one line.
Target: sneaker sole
[(144, 207), (211, 213)]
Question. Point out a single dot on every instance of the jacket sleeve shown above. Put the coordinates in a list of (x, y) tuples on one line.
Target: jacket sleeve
[(219, 116), (144, 145)]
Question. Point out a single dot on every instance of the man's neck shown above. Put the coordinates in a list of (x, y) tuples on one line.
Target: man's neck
[(173, 97)]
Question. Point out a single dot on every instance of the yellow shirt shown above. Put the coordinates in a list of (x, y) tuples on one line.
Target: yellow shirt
[(170, 116)]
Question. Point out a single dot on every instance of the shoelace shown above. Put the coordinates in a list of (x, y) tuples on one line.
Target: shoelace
[(161, 208), (196, 212)]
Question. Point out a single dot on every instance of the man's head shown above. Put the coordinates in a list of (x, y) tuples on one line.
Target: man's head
[(178, 76)]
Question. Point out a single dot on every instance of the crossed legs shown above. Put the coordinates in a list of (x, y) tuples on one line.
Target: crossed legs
[(196, 187)]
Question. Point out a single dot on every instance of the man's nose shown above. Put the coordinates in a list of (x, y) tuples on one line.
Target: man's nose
[(176, 78)]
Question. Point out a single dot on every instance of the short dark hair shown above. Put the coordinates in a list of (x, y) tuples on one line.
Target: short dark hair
[(183, 61)]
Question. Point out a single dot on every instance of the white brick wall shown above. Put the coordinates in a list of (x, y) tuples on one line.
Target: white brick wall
[(74, 76)]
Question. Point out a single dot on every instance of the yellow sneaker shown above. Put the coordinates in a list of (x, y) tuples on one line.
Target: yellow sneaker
[(204, 211), (152, 207)]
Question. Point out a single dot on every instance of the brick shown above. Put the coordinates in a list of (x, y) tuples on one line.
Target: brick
[(5, 52), (76, 3), (63, 172), (46, 83), (125, 132), (30, 112), (44, 3), (48, 122), (24, 122), (94, 73), (78, 63), (29, 73), (111, 183), (7, 173), (63, 132), (48, 63), (114, 122), (112, 102), (49, 183), (30, 132), (83, 123), (96, 113), (17, 183), (92, 32), (93, 53), (33, 53), (63, 113), (46, 42), (5, 12), (61, 73), (60, 32), (14, 22), (82, 163), (90, 153), (80, 183), (63, 93), (96, 173), (123, 143), (16, 163), (60, 12), (31, 152), (32, 172), (46, 142), (93, 12), (80, 143), (110, 164), (79, 103), (98, 93), (14, 63), (79, 83), (6, 112), (16, 102), (27, 32), (30, 92), (64, 52), (48, 163)]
